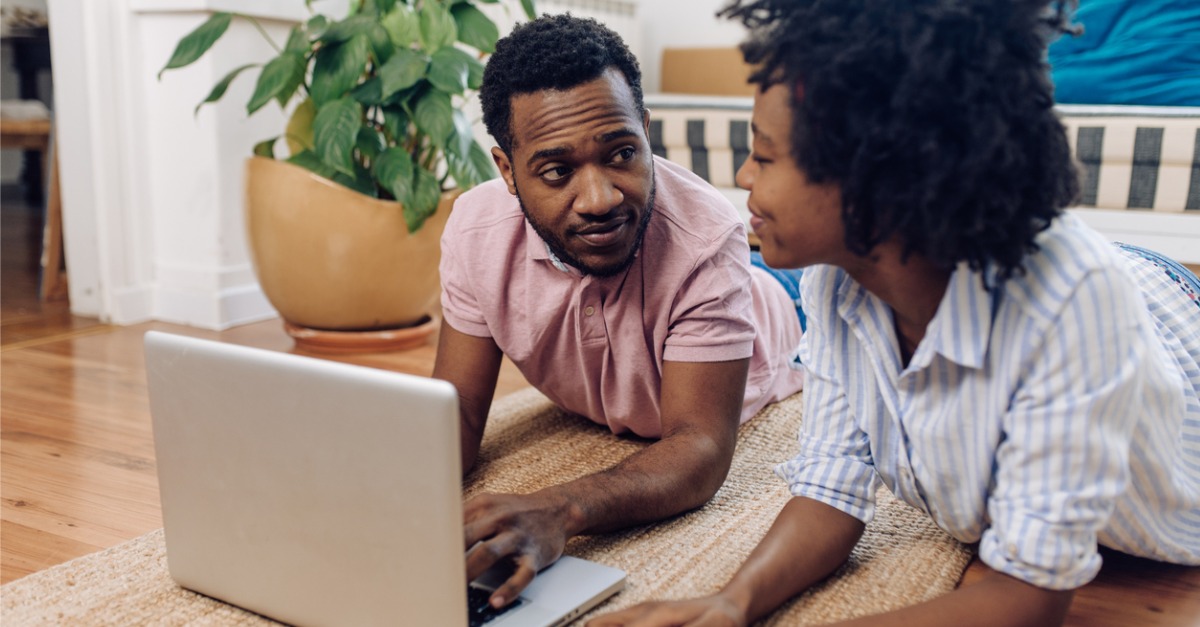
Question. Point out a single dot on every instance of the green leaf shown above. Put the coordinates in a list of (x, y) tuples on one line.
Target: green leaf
[(462, 135), (482, 163), (277, 74), (362, 181), (335, 131), (297, 40), (266, 148), (403, 96), (448, 71), (384, 6), (369, 142), (474, 70), (338, 69), (299, 132), (289, 89), (218, 90), (474, 169), (403, 26), (348, 28), (402, 71), (530, 10), (369, 93), (475, 28), (395, 123), (196, 43), (311, 162), (438, 29), (317, 26), (381, 43), (394, 171), (424, 202), (435, 116)]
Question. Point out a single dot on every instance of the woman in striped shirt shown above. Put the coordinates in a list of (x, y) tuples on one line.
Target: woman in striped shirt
[(986, 356)]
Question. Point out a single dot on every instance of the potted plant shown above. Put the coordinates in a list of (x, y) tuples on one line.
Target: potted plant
[(344, 222)]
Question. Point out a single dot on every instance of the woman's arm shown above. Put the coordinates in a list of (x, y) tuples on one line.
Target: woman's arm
[(807, 542), (995, 600)]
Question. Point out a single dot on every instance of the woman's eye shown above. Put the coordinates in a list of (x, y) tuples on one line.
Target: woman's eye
[(556, 173)]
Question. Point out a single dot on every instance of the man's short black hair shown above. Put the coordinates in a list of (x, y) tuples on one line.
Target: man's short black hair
[(935, 117), (552, 52)]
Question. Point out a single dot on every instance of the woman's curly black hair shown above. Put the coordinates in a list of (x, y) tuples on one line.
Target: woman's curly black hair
[(551, 52), (935, 117)]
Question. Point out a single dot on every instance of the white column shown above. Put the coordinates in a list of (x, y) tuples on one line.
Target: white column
[(152, 194)]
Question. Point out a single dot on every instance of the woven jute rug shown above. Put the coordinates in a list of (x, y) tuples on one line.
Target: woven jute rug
[(902, 558)]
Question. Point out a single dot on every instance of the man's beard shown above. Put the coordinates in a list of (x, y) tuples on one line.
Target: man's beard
[(559, 249)]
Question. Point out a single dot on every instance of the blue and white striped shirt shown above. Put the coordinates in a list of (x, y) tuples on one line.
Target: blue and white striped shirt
[(1055, 411)]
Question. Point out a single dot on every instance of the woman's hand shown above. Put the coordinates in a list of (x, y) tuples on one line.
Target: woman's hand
[(714, 611)]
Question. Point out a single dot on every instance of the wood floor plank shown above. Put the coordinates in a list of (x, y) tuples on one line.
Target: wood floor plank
[(27, 550)]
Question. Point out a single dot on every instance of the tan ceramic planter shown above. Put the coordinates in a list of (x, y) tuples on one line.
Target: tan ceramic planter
[(330, 258)]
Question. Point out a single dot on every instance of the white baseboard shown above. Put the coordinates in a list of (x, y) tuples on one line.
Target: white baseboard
[(212, 310), (131, 305)]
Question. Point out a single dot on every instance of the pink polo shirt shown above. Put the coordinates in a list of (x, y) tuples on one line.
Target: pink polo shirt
[(595, 346)]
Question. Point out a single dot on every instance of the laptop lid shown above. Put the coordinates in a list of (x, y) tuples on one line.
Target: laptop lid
[(320, 493)]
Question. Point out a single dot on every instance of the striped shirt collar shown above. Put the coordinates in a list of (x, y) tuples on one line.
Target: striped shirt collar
[(954, 331)]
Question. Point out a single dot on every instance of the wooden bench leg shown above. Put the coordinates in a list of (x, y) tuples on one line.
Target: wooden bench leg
[(54, 273)]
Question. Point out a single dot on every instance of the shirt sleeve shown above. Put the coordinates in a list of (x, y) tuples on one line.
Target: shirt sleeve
[(834, 464), (714, 309), (459, 305), (1063, 456)]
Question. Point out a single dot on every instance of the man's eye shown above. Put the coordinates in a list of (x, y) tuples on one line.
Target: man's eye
[(624, 154), (556, 173)]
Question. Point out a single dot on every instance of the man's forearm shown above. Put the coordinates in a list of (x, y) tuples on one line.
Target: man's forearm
[(668, 477), (472, 420)]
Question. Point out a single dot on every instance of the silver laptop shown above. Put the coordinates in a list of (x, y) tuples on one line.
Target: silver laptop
[(320, 493)]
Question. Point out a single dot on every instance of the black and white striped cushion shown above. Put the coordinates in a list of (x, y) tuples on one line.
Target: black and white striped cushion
[(1141, 158)]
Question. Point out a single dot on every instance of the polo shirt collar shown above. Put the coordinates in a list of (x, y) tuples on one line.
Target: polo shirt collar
[(536, 249)]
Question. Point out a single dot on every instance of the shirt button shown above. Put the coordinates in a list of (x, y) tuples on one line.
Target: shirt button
[(590, 310)]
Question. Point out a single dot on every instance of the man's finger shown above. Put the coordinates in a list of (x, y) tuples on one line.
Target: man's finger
[(527, 568), (478, 525), (487, 553)]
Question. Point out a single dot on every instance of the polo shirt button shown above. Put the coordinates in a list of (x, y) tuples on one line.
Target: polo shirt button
[(590, 310)]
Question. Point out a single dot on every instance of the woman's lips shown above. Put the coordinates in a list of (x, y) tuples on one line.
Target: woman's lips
[(756, 223)]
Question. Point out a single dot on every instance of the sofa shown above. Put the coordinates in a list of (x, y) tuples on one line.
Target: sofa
[(1139, 166)]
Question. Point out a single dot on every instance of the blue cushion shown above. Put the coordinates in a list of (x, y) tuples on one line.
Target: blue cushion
[(1132, 52)]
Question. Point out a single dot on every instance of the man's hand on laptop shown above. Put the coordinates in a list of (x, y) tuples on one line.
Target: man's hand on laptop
[(530, 530)]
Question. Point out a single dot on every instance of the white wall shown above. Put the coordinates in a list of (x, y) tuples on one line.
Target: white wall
[(681, 24), (152, 194)]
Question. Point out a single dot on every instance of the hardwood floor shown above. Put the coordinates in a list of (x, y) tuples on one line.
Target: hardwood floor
[(77, 470)]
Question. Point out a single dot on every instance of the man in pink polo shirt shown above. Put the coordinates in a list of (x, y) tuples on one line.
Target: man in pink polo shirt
[(619, 283)]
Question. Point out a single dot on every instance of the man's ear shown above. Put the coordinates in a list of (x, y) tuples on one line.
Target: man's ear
[(505, 167), (646, 122)]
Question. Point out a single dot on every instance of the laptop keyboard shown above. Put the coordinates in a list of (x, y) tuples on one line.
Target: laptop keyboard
[(479, 611)]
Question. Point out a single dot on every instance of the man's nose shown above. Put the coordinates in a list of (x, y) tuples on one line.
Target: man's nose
[(596, 194)]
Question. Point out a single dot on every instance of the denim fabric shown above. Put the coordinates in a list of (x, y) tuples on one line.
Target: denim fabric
[(789, 279), (1178, 273)]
